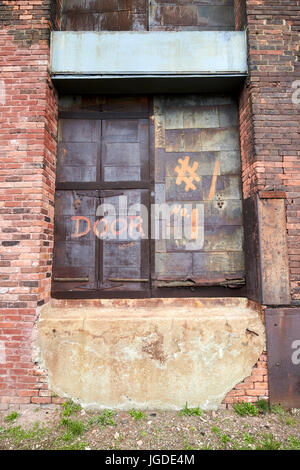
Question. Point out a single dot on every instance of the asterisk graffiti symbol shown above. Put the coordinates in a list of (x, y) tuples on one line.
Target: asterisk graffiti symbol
[(187, 174)]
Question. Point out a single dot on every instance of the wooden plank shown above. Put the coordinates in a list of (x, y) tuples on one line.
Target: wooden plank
[(273, 252)]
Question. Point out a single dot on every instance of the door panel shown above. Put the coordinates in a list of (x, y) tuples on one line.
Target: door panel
[(124, 241), (78, 150), (74, 254), (125, 150)]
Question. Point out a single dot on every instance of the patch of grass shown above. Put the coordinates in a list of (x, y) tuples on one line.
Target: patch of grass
[(76, 446), (75, 427), (278, 410), (225, 438), (106, 418), (188, 446), (268, 442), (18, 435), (216, 430), (263, 406), (244, 442), (248, 438), (206, 447), (11, 417), (290, 421), (137, 415), (69, 408), (222, 436), (67, 436), (186, 411), (236, 445), (293, 443), (157, 431), (245, 409)]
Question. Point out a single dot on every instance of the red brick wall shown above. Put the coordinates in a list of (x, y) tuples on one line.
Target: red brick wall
[(28, 127), (270, 144), (254, 387), (269, 133)]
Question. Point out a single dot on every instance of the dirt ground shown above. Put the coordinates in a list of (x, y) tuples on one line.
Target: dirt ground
[(68, 427)]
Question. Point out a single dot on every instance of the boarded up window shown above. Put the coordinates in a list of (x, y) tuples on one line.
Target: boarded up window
[(197, 161), (141, 15), (128, 183), (105, 15)]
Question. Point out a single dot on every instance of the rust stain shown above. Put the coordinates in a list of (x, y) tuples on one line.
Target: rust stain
[(155, 348), (124, 246), (194, 234), (214, 181), (77, 204)]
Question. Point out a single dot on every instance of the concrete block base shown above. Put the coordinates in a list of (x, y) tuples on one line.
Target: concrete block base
[(149, 353)]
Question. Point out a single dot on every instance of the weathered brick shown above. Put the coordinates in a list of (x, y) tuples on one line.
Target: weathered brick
[(27, 147)]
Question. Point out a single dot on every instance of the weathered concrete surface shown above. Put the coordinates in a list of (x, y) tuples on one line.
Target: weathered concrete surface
[(149, 353)]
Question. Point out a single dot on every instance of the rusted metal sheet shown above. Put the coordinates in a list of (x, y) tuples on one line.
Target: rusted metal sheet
[(191, 15), (105, 15), (74, 258), (100, 158), (273, 252), (127, 15), (145, 53), (98, 105), (197, 161), (283, 347), (240, 9), (104, 154)]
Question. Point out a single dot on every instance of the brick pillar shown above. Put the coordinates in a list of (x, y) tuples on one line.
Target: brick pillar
[(27, 158), (269, 133), (270, 139)]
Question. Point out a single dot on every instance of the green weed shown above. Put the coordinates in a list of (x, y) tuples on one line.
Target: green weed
[(290, 421), (268, 442), (106, 418), (245, 409), (19, 435), (137, 415), (69, 408), (293, 443), (76, 446), (11, 417), (75, 427), (186, 411), (263, 406), (277, 409), (248, 438)]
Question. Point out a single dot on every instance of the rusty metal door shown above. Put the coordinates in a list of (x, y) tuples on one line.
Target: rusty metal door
[(283, 346), (101, 161), (104, 152)]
